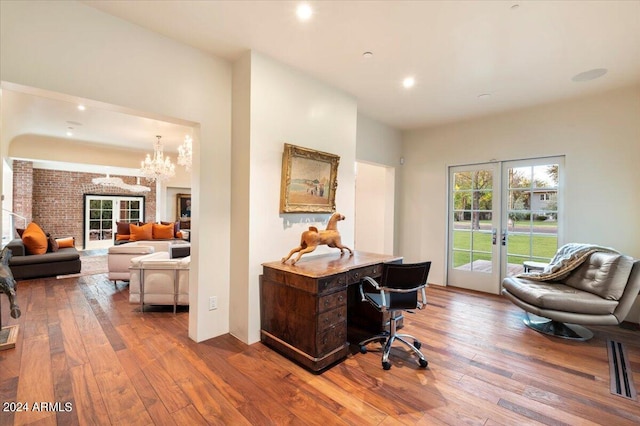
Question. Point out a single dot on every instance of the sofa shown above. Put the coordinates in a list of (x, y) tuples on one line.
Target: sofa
[(127, 232), (156, 279), (599, 290), (24, 266), (119, 256)]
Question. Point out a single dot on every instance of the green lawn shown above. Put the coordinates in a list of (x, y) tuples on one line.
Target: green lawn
[(520, 247)]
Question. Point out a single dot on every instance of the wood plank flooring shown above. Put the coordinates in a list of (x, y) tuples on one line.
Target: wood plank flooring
[(85, 355)]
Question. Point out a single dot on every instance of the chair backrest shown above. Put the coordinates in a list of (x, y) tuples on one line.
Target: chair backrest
[(404, 276)]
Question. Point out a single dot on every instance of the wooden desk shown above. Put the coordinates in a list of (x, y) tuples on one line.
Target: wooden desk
[(305, 308)]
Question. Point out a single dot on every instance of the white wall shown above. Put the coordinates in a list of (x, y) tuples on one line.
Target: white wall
[(285, 106), (378, 143), (70, 48), (375, 208), (600, 137), (381, 145)]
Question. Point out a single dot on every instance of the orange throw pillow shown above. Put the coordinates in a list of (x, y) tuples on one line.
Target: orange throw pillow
[(140, 233), (68, 242), (162, 232), (35, 240)]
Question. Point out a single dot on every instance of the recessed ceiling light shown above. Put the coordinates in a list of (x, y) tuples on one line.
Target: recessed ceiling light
[(81, 107), (304, 11), (367, 54), (589, 75), (408, 82)]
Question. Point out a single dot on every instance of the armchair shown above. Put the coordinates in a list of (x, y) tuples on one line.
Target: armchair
[(397, 290), (158, 280), (600, 291)]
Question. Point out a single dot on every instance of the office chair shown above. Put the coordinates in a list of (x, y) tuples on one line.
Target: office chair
[(397, 291)]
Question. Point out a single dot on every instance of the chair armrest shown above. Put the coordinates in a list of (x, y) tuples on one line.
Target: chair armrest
[(373, 283)]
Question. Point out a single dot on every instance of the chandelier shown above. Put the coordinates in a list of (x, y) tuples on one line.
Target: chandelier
[(184, 152), (160, 167), (116, 182)]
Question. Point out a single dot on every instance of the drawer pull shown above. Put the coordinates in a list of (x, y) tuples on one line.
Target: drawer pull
[(341, 298), (357, 274)]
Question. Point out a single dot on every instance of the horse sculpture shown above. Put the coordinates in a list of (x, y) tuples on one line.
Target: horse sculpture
[(313, 238), (8, 284)]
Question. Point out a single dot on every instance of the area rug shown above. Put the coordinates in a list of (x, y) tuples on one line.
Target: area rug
[(90, 265)]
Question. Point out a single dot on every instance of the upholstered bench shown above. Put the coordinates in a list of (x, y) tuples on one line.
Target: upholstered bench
[(119, 259)]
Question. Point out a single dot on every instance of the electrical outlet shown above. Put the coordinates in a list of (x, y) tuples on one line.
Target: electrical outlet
[(213, 303)]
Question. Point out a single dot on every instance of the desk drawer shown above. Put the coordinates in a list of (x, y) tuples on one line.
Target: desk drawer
[(355, 275), (332, 282), (335, 336), (332, 301), (332, 317)]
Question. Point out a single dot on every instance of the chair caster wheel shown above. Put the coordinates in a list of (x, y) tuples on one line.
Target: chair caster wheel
[(386, 365), (417, 344), (423, 363), (363, 349)]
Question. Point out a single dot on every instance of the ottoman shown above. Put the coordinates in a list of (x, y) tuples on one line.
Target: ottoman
[(119, 259)]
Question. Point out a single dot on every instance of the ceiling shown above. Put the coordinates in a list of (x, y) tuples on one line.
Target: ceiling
[(40, 113), (517, 53), (521, 53)]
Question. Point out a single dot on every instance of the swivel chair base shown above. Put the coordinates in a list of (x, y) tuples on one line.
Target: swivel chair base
[(387, 339), (557, 328)]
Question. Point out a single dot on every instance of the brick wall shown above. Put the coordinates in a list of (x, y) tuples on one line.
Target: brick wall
[(55, 199), (22, 189)]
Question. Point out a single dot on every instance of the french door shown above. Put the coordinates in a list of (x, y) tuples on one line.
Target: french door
[(101, 214), (500, 215)]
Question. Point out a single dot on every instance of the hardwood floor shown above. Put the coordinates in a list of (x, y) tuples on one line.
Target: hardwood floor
[(84, 355)]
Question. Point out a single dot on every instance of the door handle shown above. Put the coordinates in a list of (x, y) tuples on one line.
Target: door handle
[(504, 237), (494, 237)]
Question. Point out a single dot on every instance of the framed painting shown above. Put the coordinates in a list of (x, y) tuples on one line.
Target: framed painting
[(183, 207), (309, 181)]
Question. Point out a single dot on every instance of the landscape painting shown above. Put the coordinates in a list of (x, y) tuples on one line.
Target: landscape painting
[(308, 180)]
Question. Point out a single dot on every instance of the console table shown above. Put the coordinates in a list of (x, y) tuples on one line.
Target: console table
[(307, 308)]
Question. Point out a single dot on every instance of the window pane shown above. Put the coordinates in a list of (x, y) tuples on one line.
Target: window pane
[(519, 200), (462, 200), (545, 176), (483, 179), (482, 262), (482, 241), (462, 181), (461, 240), (520, 177), (544, 247), (461, 259), (518, 244), (485, 200)]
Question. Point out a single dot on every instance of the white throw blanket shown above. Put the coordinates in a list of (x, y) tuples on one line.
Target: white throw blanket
[(567, 258)]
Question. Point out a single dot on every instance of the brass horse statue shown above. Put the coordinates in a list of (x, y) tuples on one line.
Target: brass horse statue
[(8, 283), (313, 238)]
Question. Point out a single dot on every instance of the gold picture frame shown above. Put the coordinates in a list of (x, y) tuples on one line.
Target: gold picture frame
[(183, 207), (309, 180)]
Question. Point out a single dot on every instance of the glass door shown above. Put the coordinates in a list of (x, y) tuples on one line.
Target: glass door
[(474, 206), (503, 217), (531, 213), (101, 214)]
